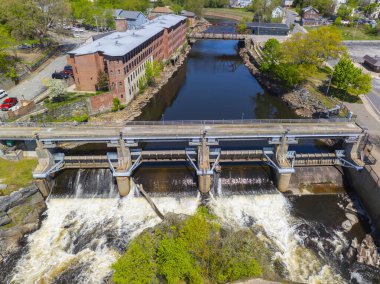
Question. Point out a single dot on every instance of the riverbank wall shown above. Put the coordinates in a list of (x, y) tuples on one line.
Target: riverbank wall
[(366, 184)]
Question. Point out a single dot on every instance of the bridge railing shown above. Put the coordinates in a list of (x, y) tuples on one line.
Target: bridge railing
[(178, 122)]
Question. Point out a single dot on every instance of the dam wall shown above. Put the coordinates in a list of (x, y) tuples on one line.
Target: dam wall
[(366, 184)]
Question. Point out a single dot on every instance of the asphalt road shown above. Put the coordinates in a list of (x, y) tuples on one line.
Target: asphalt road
[(33, 85), (374, 95)]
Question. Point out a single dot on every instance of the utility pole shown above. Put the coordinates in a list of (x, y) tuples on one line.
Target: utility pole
[(328, 87)]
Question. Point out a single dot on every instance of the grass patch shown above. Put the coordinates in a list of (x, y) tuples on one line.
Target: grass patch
[(235, 13), (361, 32), (16, 174), (196, 249), (66, 99)]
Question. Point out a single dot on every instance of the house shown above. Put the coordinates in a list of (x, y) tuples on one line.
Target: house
[(134, 18), (372, 63), (310, 16), (278, 12), (190, 17), (159, 11), (268, 28), (287, 3)]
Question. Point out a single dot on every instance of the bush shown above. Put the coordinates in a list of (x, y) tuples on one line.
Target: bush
[(138, 264), (81, 118), (192, 250), (117, 105)]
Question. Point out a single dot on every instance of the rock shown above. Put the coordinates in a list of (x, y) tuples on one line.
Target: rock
[(355, 243), (367, 252), (4, 219), (352, 218), (347, 226), (3, 186), (350, 207), (17, 197)]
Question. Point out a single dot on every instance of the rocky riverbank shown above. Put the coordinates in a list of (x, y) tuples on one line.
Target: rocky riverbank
[(20, 214), (299, 100)]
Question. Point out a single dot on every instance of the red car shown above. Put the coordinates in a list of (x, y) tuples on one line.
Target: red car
[(68, 70), (8, 103)]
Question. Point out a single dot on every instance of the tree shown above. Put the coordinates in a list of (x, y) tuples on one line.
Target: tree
[(56, 88), (262, 9), (349, 78), (103, 84), (370, 9), (344, 12), (194, 6), (272, 56), (152, 71), (338, 21), (313, 48)]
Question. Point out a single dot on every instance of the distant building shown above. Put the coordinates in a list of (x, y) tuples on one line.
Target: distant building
[(240, 3), (123, 56), (310, 17), (190, 16), (287, 3), (268, 28), (134, 18), (159, 11), (278, 12), (372, 63)]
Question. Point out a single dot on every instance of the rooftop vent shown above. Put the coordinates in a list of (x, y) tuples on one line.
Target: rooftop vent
[(117, 43)]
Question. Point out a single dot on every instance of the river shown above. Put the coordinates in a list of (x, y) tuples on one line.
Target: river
[(87, 225)]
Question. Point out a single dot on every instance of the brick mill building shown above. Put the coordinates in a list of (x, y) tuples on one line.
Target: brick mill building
[(123, 54)]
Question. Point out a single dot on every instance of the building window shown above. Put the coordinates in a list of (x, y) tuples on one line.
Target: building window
[(120, 83), (118, 71)]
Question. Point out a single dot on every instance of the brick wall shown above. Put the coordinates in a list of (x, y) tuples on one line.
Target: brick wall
[(101, 103), (86, 70), (27, 107)]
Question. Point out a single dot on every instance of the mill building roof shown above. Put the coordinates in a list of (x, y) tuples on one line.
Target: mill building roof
[(120, 43)]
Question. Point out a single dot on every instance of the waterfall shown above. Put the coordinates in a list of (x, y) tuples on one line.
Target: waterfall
[(80, 238), (271, 213)]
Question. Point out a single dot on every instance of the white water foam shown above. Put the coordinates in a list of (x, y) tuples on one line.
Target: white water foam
[(271, 213), (78, 233)]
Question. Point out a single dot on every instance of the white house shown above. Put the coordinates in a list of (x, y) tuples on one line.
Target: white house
[(287, 3), (278, 12), (240, 3)]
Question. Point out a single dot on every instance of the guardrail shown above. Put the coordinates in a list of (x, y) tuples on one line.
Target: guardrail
[(179, 122)]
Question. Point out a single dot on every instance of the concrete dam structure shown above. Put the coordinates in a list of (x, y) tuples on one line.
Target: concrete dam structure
[(203, 153)]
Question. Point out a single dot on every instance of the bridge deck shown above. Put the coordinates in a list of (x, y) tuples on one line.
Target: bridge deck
[(184, 131)]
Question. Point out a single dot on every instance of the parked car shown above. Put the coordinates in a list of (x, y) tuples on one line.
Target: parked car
[(8, 103), (24, 46), (59, 75), (3, 94), (68, 70)]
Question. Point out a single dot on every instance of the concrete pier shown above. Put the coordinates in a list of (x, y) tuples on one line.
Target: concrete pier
[(45, 164), (204, 177), (124, 164), (282, 179)]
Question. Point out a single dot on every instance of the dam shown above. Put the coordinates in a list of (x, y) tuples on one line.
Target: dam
[(205, 136)]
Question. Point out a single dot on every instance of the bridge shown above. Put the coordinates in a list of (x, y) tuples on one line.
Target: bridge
[(203, 153), (215, 35)]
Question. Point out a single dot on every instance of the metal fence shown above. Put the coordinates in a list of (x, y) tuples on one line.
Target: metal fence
[(178, 122)]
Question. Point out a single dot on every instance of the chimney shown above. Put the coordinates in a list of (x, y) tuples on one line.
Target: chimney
[(121, 24)]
